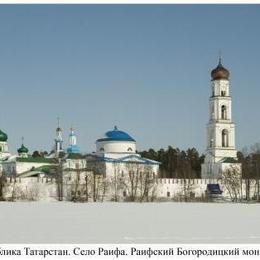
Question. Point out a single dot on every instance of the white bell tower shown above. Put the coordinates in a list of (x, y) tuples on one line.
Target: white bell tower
[(221, 150), (58, 139)]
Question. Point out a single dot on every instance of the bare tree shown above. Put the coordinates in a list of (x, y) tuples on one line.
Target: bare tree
[(256, 162), (58, 176), (96, 181), (14, 190), (148, 185), (2, 185), (88, 184), (75, 185), (232, 182), (102, 185), (187, 183), (116, 181), (82, 183), (104, 188), (132, 180), (32, 194), (139, 182)]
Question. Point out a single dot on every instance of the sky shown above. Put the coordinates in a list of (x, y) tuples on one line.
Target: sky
[(144, 68)]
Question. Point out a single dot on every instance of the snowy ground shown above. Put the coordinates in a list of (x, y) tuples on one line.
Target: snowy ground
[(129, 223)]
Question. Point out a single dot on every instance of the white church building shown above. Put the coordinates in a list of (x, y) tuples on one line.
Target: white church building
[(116, 153)]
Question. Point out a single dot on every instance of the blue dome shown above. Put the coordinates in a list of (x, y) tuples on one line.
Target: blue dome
[(116, 135)]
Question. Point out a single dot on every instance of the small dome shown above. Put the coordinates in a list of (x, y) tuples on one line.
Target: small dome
[(219, 72), (116, 135), (23, 149), (3, 136)]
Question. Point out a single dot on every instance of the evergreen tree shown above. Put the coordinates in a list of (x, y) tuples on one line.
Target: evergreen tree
[(176, 163)]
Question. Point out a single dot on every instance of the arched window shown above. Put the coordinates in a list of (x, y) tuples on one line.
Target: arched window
[(223, 93), (101, 149), (129, 149), (211, 142), (224, 138), (223, 112), (212, 112)]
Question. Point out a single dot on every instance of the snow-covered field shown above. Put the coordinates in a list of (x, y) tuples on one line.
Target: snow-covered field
[(129, 223)]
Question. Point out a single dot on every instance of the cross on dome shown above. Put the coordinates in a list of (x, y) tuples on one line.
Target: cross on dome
[(58, 125)]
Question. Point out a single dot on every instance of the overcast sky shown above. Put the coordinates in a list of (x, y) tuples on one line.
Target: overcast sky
[(144, 68)]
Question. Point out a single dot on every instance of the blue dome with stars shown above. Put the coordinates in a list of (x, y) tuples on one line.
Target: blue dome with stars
[(116, 135)]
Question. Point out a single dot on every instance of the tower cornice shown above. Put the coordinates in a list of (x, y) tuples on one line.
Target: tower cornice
[(218, 123), (220, 97), (218, 80)]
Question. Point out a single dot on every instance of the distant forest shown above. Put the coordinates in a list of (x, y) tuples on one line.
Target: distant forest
[(176, 163), (250, 159)]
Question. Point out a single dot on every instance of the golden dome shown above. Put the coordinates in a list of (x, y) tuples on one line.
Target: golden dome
[(219, 72)]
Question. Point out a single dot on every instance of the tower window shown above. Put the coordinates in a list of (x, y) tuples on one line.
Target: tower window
[(212, 111), (223, 112), (223, 93), (225, 138), (101, 149)]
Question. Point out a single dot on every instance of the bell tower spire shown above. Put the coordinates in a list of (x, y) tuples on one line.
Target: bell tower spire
[(220, 58)]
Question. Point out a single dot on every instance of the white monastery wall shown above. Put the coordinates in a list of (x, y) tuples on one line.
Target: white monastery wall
[(46, 189)]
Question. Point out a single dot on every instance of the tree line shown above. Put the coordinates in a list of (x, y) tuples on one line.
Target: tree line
[(176, 163), (250, 159)]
